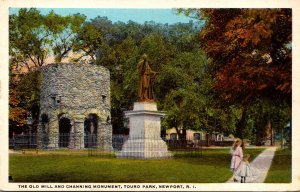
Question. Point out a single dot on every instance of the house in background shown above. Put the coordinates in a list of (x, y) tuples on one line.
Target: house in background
[(171, 134)]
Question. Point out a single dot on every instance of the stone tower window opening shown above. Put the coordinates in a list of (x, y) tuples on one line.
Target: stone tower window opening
[(55, 100), (58, 100), (91, 130), (103, 99), (64, 132)]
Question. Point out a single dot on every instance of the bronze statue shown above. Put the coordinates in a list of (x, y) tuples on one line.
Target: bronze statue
[(146, 79)]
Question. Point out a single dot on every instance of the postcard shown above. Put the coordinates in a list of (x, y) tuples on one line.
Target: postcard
[(149, 95)]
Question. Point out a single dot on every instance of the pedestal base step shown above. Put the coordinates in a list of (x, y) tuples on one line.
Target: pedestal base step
[(145, 149)]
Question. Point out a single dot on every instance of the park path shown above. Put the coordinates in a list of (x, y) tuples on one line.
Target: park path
[(262, 164)]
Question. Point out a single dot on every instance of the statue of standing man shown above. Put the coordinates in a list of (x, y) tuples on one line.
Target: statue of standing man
[(146, 80)]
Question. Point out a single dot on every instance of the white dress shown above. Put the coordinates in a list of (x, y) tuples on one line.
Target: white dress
[(247, 171), (237, 156)]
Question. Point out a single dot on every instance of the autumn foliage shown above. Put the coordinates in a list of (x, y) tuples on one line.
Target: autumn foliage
[(16, 113), (250, 51)]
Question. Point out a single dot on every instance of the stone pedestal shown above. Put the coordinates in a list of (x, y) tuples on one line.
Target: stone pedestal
[(144, 140)]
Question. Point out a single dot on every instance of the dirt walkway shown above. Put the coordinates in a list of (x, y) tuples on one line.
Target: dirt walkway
[(261, 164)]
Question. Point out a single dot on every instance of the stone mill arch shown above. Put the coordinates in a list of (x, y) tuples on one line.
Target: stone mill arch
[(65, 130), (91, 129)]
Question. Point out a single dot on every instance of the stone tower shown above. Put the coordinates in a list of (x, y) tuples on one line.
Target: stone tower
[(75, 107)]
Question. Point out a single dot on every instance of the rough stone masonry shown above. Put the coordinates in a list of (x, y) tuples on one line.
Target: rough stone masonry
[(74, 106)]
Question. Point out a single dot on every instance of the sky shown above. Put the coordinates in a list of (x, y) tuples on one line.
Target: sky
[(138, 15)]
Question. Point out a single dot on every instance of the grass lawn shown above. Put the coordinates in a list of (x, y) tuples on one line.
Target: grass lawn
[(281, 168), (212, 167)]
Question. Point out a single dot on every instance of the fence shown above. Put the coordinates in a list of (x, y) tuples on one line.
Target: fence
[(90, 143), (63, 140), (140, 147), (23, 142)]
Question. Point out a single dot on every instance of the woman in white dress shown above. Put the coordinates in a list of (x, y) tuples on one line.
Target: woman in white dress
[(237, 156)]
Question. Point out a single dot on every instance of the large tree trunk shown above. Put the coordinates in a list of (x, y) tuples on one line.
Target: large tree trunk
[(241, 125), (181, 134), (272, 133), (179, 125), (264, 131)]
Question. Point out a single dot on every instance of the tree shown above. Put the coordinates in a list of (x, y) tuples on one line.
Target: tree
[(64, 31), (16, 112), (35, 37), (250, 52), (24, 98), (179, 85), (27, 38), (124, 83), (89, 40), (269, 117), (158, 50)]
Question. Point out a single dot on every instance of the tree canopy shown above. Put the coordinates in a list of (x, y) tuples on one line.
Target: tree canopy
[(250, 51), (250, 60), (34, 37)]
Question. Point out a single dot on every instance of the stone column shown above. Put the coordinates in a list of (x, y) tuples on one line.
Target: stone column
[(72, 137), (79, 132), (53, 133), (104, 136), (39, 137), (100, 135), (108, 137)]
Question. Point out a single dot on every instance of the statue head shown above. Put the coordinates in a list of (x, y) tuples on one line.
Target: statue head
[(145, 56)]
